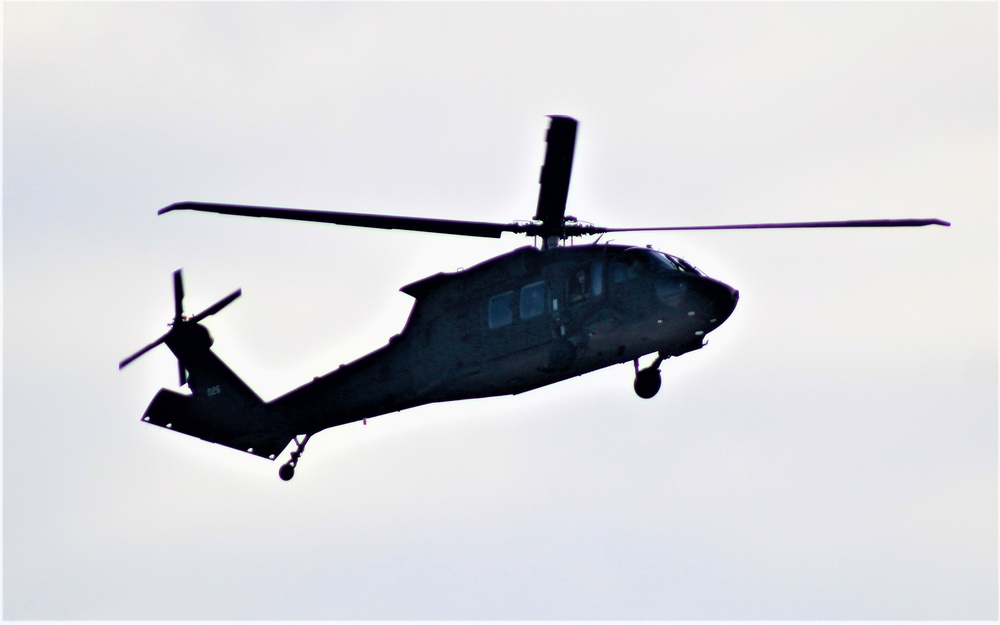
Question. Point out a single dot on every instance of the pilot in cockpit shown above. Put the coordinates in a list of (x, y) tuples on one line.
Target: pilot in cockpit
[(579, 287)]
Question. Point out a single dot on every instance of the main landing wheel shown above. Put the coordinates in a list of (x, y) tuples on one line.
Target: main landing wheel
[(647, 383), (287, 470)]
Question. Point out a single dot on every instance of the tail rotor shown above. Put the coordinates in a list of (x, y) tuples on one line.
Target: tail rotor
[(180, 321)]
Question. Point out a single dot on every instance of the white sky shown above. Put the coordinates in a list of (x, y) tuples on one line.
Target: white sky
[(832, 454)]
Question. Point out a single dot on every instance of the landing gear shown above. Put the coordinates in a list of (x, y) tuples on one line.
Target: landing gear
[(647, 381), (287, 470)]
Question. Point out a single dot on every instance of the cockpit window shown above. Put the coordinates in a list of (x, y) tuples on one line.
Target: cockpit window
[(629, 265), (632, 263), (501, 310), (533, 300), (622, 270)]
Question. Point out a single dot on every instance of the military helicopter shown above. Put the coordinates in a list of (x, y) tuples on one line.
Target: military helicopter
[(532, 317)]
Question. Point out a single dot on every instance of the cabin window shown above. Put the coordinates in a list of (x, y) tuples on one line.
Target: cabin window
[(501, 310), (533, 300)]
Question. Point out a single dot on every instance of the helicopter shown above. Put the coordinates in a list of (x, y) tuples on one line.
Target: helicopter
[(537, 315)]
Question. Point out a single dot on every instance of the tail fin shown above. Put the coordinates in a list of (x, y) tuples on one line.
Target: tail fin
[(221, 407)]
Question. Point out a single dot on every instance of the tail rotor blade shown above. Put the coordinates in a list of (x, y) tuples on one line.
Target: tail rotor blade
[(142, 351), (216, 307), (180, 323)]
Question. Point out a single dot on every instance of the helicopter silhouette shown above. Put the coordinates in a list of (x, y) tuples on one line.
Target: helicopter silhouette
[(522, 320)]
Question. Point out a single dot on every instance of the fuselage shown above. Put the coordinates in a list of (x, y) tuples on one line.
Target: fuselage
[(518, 322)]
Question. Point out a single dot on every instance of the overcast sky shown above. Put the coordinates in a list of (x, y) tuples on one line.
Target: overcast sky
[(832, 453)]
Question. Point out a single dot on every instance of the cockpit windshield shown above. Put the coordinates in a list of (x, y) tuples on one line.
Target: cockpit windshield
[(663, 259), (675, 263), (660, 260)]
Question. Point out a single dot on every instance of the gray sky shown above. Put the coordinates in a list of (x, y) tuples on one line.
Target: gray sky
[(832, 454)]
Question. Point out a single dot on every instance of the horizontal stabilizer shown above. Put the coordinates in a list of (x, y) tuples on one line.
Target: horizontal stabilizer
[(189, 415)]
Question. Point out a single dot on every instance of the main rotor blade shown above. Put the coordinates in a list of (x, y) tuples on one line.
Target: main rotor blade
[(216, 307), (178, 296), (556, 170), (580, 229), (361, 220), (142, 351)]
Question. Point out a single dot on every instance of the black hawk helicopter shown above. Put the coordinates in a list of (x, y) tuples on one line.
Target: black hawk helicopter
[(522, 320)]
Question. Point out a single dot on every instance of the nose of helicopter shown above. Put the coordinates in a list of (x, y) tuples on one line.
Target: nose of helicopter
[(700, 297), (712, 302), (722, 300)]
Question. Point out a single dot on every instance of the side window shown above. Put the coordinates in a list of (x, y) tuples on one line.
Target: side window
[(533, 300), (501, 310)]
